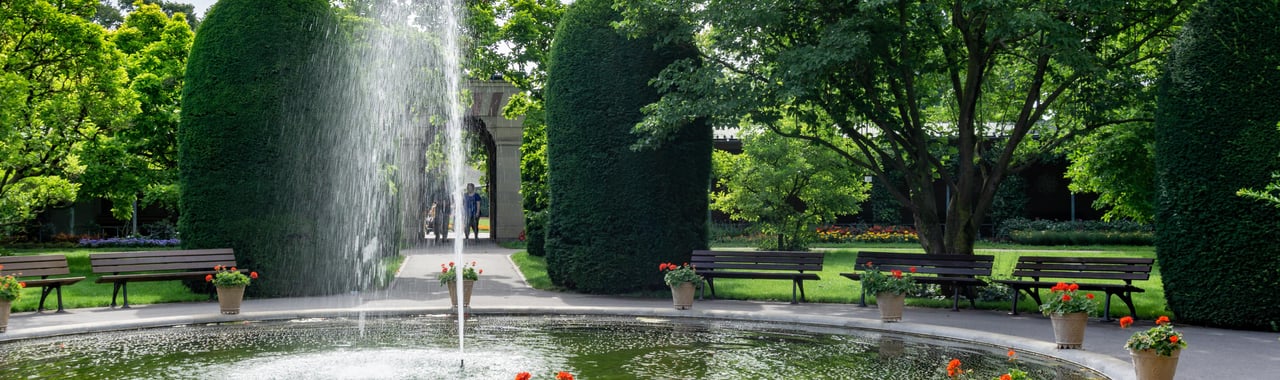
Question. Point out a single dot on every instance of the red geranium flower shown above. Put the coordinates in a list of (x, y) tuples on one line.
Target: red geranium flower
[(208, 278), (1066, 297), (1125, 322), (523, 376), (1173, 339), (253, 275), (564, 376), (1162, 320)]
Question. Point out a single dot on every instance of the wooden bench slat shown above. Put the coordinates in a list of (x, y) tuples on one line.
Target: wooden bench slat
[(742, 266), (761, 275), (1088, 267), (153, 276), (1067, 276), (187, 252), (1085, 260)]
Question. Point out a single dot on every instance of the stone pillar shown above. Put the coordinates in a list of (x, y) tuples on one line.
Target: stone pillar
[(506, 213)]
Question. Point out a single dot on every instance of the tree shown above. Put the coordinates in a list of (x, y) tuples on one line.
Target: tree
[(956, 93), (141, 159), (785, 187), (615, 212), (518, 51), (1215, 133), (1117, 162), (170, 8), (61, 84)]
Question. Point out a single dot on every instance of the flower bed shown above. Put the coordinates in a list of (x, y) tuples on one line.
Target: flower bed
[(129, 242)]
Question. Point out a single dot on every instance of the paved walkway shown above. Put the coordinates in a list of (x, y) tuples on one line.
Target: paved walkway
[(1212, 354)]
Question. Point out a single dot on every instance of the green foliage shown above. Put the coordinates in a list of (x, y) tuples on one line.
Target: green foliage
[(677, 274), (1066, 299), (449, 273), (518, 50), (1215, 134), (880, 82), (1163, 339), (230, 277), (786, 187), (1116, 162), (61, 84), (896, 282), (141, 160), (10, 288), (615, 211), (237, 153)]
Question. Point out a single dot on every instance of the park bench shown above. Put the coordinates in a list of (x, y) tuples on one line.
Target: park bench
[(765, 265), (955, 270), (125, 267), (41, 266), (1045, 272)]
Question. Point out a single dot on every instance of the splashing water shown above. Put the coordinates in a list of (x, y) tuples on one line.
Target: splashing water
[(382, 139)]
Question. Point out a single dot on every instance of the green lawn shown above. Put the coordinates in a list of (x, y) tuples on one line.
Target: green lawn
[(836, 289)]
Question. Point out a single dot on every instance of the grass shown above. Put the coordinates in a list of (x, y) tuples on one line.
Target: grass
[(833, 288)]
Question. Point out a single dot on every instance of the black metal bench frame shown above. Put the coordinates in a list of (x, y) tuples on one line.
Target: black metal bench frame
[(42, 266), (763, 265), (125, 267), (1069, 269), (955, 270)]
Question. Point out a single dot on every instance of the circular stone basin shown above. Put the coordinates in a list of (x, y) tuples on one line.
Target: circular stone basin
[(498, 347)]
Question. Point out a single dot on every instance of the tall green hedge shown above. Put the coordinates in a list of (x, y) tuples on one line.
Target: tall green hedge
[(1219, 254), (616, 213), (241, 183)]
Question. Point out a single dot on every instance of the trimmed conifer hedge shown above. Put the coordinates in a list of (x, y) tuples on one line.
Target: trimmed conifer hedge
[(1218, 253), (616, 213), (241, 186)]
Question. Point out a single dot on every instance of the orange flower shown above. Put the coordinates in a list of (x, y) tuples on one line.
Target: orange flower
[(1066, 297), (253, 275), (1125, 322), (1089, 296), (1059, 287), (1173, 339), (1162, 320), (233, 269), (912, 269), (208, 278), (896, 273), (564, 376), (1012, 354), (217, 267), (868, 264), (953, 368), (523, 376), (22, 285), (1, 266), (1073, 287), (663, 266), (1006, 377)]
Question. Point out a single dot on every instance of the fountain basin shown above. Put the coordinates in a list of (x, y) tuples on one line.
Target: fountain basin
[(591, 342)]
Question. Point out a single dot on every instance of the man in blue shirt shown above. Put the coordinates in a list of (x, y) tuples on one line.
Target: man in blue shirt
[(472, 202)]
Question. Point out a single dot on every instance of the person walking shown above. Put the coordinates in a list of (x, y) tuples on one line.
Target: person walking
[(472, 202)]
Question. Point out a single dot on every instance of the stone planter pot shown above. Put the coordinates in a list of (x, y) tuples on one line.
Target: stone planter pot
[(229, 299), (1150, 366), (1068, 329), (890, 305), (467, 285), (682, 295), (5, 305)]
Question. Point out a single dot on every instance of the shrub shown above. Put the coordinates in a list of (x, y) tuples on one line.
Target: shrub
[(129, 242), (1215, 134), (615, 211), (1087, 232)]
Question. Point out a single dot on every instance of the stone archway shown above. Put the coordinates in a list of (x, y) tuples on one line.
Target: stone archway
[(506, 213)]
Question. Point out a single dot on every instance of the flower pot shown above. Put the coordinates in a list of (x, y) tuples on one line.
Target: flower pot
[(1150, 366), (4, 314), (467, 285), (890, 305), (682, 295), (1068, 329), (229, 298)]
